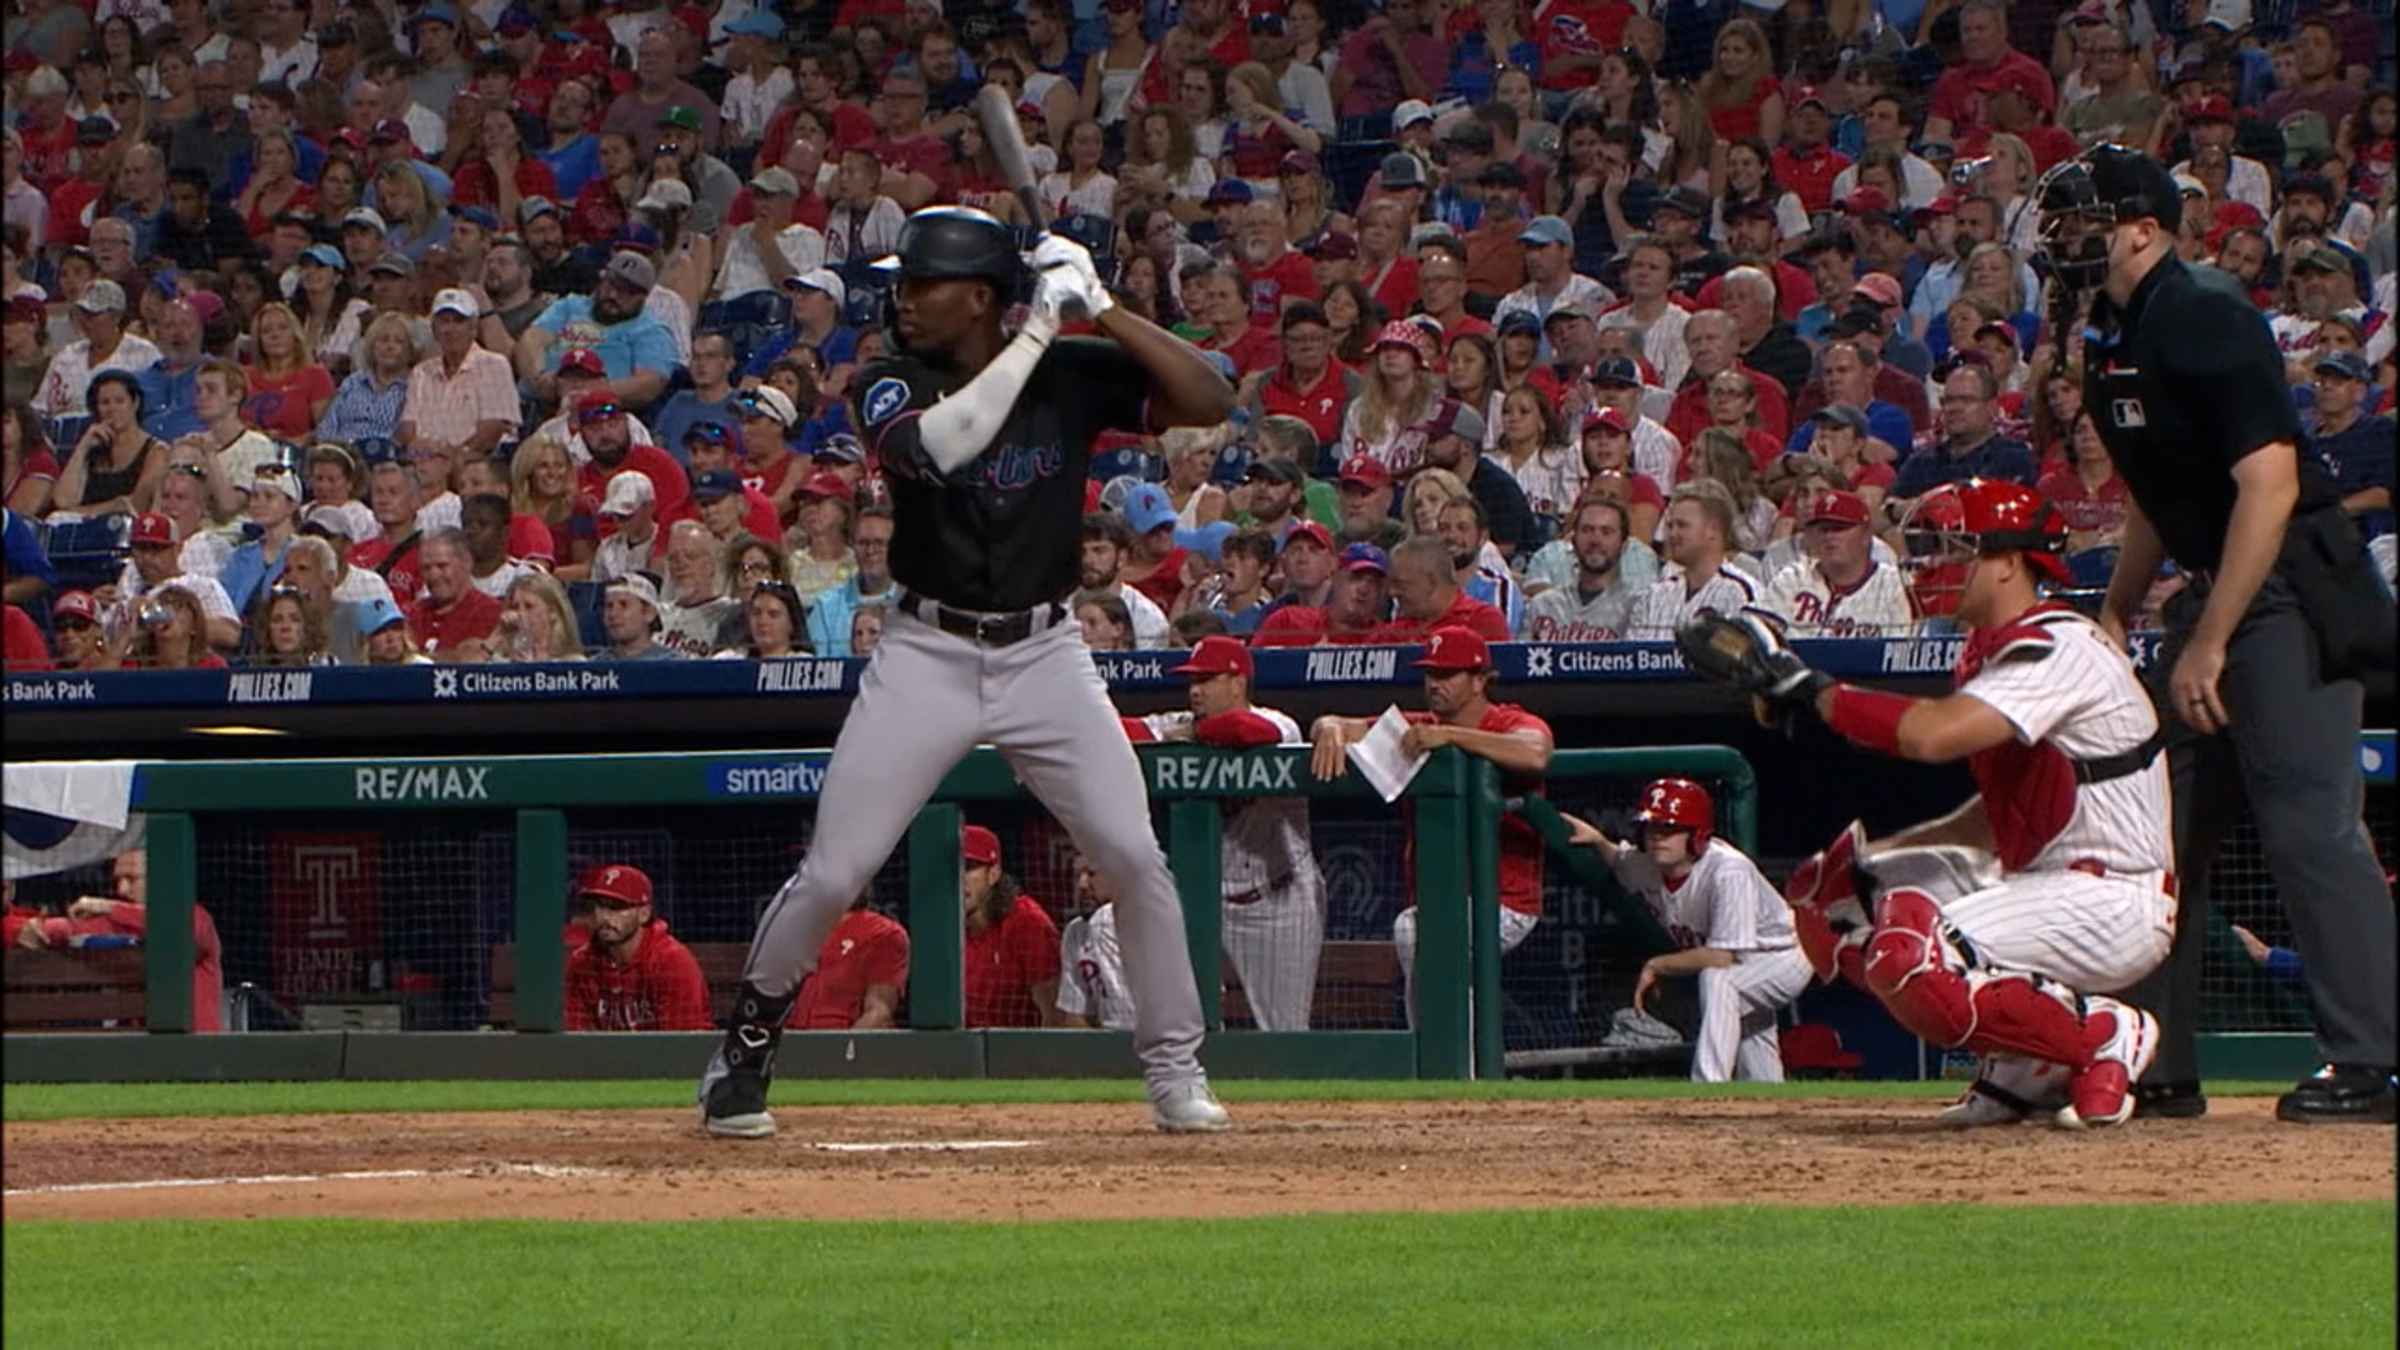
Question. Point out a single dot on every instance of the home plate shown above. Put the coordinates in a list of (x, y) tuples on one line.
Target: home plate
[(929, 1145)]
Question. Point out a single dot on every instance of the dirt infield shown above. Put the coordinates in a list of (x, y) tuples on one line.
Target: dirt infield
[(1102, 1161)]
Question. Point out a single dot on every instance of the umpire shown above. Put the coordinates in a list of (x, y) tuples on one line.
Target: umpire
[(2259, 678)]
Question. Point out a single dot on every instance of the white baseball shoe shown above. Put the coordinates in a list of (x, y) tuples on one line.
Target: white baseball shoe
[(2102, 1093), (1979, 1106), (1189, 1108)]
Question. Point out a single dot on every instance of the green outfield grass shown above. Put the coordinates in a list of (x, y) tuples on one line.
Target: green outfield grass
[(2318, 1276), (69, 1101)]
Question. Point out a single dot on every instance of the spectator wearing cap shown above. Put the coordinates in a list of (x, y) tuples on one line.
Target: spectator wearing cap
[(1154, 565), (636, 350), (630, 616), (767, 421), (1678, 218), (362, 238), (729, 507), (1838, 588), (1550, 276), (1495, 252), (63, 218), (1467, 151), (604, 425), (1961, 97), (2323, 279), (273, 508), (1392, 414), (1846, 378), (773, 249), (680, 159), (2211, 124), (1393, 56), (384, 108), (1355, 604), (75, 623), (819, 298), (760, 81), (1427, 596), (628, 511), (638, 111), (2355, 442), (1509, 489), (98, 314), (454, 621), (1307, 383), (1332, 258), (1806, 162), (461, 400), (1750, 237), (441, 71)]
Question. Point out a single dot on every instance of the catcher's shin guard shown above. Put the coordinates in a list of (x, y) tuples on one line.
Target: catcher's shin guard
[(1829, 911), (733, 1090), (1913, 966)]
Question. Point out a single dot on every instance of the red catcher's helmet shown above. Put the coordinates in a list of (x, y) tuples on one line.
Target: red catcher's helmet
[(1681, 804), (2004, 515), (1937, 553)]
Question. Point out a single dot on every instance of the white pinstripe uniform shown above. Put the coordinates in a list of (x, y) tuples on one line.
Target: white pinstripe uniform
[(1724, 902), (1670, 602), (1091, 981), (1274, 896), (1656, 452), (2080, 891), (1811, 606)]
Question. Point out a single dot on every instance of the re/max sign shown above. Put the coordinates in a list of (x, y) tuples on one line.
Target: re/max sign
[(1196, 773), (427, 783)]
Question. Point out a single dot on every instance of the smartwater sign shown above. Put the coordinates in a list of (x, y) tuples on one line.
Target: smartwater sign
[(791, 776)]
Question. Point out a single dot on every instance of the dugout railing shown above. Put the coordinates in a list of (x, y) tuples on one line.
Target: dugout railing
[(1454, 804)]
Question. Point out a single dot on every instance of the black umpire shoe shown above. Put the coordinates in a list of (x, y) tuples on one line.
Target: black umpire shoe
[(2169, 1101), (2342, 1094)]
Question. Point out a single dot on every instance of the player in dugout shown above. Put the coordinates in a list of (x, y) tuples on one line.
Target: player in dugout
[(631, 975)]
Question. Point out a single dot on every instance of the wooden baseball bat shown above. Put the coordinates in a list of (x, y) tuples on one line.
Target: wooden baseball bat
[(998, 117)]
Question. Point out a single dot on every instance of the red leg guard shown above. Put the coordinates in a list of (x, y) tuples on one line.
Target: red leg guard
[(1827, 916), (1911, 966)]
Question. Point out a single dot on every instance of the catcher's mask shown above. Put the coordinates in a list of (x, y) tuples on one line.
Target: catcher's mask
[(2085, 198)]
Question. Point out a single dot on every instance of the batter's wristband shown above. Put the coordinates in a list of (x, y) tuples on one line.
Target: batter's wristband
[(1869, 717)]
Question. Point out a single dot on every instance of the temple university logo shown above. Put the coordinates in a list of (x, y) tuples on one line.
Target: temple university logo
[(1537, 663), (325, 869)]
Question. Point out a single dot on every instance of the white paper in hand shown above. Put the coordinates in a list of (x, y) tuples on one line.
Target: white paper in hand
[(1379, 758)]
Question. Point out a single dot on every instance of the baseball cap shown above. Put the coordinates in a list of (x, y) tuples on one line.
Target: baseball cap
[(366, 217), (1279, 470), (638, 586), (95, 131), (1465, 423), (1518, 321), (326, 518), (152, 527), (1689, 201), (325, 255), (1148, 508), (1546, 230), (477, 215), (1334, 246), (840, 448), (758, 23), (711, 432), (768, 401), (377, 613), (1608, 418), (596, 405), (1879, 287), (1403, 170), (1409, 112), (437, 12), (337, 33), (618, 884), (76, 606), (1867, 201), (635, 237), (102, 297), (978, 846), (1568, 309), (628, 492), (1807, 94), (2211, 108), (715, 483), (1218, 654), (2190, 186), (2349, 365), (1473, 137), (1297, 162), (2318, 256), (582, 361), (1309, 531), (2230, 15), (1846, 415), (1836, 507), (824, 280), (775, 182), (1366, 469), (1621, 371), (394, 264), (535, 206), (1267, 21), (681, 117), (1366, 558), (667, 194), (826, 483), (388, 130), (1455, 649), (1750, 208), (1230, 192), (456, 301), (515, 19), (632, 271)]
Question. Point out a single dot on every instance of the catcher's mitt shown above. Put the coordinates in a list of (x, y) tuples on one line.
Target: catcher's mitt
[(1744, 651)]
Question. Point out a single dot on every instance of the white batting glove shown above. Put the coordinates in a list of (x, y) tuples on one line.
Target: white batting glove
[(1057, 254)]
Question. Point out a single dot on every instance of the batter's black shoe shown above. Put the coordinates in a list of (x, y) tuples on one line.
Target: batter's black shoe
[(2342, 1094), (733, 1089), (2169, 1101)]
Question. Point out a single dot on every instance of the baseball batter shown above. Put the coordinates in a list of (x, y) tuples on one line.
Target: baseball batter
[(631, 974), (1734, 931), (986, 442), (2003, 927), (1274, 896), (1091, 982)]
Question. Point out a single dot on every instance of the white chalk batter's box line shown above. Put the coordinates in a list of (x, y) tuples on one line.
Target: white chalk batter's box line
[(544, 1171)]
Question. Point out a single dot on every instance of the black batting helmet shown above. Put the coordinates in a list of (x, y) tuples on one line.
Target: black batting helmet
[(955, 241), (2083, 198)]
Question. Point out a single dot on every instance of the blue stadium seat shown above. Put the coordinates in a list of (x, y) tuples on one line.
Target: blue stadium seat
[(2092, 566), (757, 309), (585, 597), (87, 553)]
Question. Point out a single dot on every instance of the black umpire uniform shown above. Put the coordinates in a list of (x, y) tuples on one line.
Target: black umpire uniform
[(2185, 381)]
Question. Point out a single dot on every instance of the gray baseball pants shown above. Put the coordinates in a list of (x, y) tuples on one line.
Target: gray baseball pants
[(926, 699)]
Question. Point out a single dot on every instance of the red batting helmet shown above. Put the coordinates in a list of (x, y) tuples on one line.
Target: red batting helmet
[(617, 884), (1681, 804)]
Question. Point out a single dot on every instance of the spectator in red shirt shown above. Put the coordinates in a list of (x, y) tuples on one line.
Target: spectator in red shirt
[(1713, 341), (1156, 565), (1461, 714), (1275, 273), (1384, 267), (25, 650), (1739, 89), (600, 420), (1960, 113), (1425, 590), (1309, 384), (2087, 491), (1575, 36), (1806, 162), (860, 972), (1357, 608), (632, 975), (1217, 297), (1011, 954), (454, 622), (1394, 55)]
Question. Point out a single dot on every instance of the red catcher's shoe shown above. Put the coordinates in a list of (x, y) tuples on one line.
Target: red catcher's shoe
[(2102, 1091)]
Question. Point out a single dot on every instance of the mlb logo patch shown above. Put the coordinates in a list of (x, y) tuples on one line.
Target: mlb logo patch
[(2127, 412), (886, 398)]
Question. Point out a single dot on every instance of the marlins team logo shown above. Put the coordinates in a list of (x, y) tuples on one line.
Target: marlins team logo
[(886, 398)]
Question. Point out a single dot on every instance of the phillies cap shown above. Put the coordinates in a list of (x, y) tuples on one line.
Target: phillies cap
[(2211, 108), (74, 606), (1879, 287), (387, 131), (617, 884), (1309, 531), (535, 206), (1267, 21), (1621, 371), (1366, 558), (710, 432), (1296, 162), (1867, 201), (1455, 649), (631, 270), (1403, 170), (1333, 246), (456, 301), (1365, 469), (1218, 654), (1807, 94), (1842, 415), (638, 586), (152, 529), (1689, 201), (1609, 418), (2347, 364), (1465, 423), (1230, 192), (1519, 321), (365, 217), (827, 483), (1148, 508), (668, 194), (596, 405), (582, 361), (714, 483), (1565, 310), (978, 846), (1835, 507), (628, 492)]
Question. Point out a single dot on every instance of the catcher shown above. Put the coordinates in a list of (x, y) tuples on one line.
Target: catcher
[(2004, 926)]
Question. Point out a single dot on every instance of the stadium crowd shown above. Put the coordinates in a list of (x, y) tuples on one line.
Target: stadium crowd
[(379, 332)]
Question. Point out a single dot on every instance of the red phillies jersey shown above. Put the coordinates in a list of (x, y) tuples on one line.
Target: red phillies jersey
[(1810, 173), (1394, 286), (660, 990), (864, 949), (1320, 404), (1256, 349), (1165, 582), (1520, 847), (1576, 28), (208, 953), (669, 485), (401, 576), (1291, 274), (440, 630), (1005, 961), (1466, 612)]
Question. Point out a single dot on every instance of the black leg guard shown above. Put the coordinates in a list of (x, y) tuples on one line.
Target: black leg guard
[(733, 1092)]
